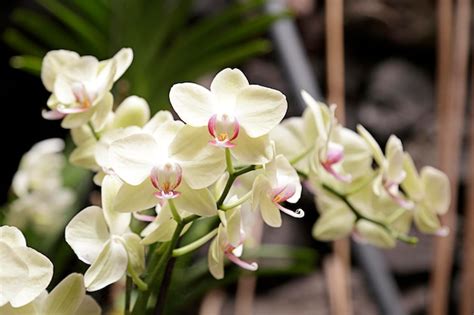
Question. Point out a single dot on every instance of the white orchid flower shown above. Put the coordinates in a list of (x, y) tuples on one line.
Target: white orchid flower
[(68, 297), (278, 183), (40, 168), (431, 193), (154, 172), (391, 172), (232, 114), (80, 86), (228, 243), (92, 153), (45, 211), (102, 239), (24, 272)]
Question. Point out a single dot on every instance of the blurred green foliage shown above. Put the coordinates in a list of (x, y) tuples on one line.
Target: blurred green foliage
[(168, 45)]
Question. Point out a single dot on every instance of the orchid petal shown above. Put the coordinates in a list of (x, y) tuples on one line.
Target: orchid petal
[(109, 266), (87, 233), (260, 109), (66, 296), (437, 189), (133, 157), (193, 103), (249, 150)]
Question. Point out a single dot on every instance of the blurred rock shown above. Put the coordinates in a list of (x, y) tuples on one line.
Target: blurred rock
[(398, 97), (307, 296), (397, 21)]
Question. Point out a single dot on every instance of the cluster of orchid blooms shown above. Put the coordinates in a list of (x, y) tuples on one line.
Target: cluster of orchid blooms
[(229, 156)]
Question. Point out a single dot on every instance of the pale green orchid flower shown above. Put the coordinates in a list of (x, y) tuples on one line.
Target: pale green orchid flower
[(153, 171), (391, 172), (337, 220), (102, 239), (80, 86), (24, 272), (431, 194), (233, 114), (67, 298), (228, 243), (279, 183), (295, 138), (338, 151)]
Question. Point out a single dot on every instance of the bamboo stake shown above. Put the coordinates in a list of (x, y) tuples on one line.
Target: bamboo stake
[(245, 295), (450, 124), (338, 266), (212, 303), (467, 278)]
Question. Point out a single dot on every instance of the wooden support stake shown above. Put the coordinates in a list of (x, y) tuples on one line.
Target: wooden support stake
[(450, 124), (245, 295), (338, 266), (467, 273)]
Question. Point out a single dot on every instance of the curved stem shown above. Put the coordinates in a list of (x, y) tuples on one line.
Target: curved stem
[(236, 203), (228, 161), (231, 180), (301, 156), (94, 133), (136, 279), (399, 236), (154, 278), (194, 245), (174, 211), (128, 294)]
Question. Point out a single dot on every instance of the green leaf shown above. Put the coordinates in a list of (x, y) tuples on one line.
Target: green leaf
[(22, 44), (95, 11), (31, 64), (94, 38), (44, 29)]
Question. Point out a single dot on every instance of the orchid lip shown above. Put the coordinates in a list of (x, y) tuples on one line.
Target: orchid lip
[(298, 213), (166, 178), (143, 217), (253, 266), (396, 197), (223, 128), (330, 169), (52, 114), (443, 231)]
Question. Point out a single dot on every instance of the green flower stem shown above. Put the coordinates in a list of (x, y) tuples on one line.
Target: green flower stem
[(174, 211), (399, 236), (304, 176), (154, 279), (228, 161), (136, 279), (194, 245), (236, 203), (230, 181), (128, 294), (301, 156), (94, 133)]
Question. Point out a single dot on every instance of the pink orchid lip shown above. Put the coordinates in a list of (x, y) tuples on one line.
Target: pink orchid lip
[(52, 114), (221, 138), (395, 196), (143, 217), (228, 251), (335, 154), (282, 194), (166, 179), (443, 231)]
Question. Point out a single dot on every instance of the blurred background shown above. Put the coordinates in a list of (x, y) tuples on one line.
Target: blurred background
[(390, 79)]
